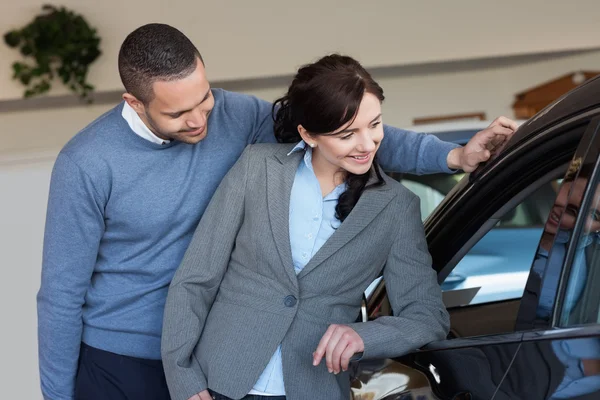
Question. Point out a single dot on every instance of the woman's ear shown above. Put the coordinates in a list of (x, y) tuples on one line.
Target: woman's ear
[(308, 139)]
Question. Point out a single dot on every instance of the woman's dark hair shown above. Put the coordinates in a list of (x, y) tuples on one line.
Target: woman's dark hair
[(323, 97)]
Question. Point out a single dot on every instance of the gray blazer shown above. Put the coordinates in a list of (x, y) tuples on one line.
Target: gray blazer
[(236, 296)]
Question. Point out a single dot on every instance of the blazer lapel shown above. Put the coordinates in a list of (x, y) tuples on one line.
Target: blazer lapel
[(281, 170), (370, 204)]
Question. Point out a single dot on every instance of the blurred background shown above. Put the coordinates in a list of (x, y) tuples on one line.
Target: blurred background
[(460, 62)]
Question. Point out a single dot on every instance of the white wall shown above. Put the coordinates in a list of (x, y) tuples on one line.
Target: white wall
[(244, 39), (409, 94), (24, 188)]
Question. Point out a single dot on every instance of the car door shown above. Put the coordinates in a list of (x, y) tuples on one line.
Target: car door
[(559, 357), (465, 234), (490, 360), (472, 363)]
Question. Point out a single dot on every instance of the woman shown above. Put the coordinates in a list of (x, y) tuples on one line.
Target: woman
[(264, 302)]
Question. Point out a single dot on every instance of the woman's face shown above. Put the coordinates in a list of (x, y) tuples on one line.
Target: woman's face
[(352, 147), (572, 190)]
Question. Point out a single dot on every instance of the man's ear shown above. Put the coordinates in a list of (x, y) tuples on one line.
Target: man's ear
[(134, 103)]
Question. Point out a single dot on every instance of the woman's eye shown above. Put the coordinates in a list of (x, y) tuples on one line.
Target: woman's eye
[(375, 124), (572, 211), (346, 137)]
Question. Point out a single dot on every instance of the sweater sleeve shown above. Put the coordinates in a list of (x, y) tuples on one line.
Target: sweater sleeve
[(262, 125), (412, 152), (74, 227), (253, 115)]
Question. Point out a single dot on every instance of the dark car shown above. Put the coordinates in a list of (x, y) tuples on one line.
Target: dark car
[(542, 341)]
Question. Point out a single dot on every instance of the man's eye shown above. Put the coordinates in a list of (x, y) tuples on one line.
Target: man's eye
[(175, 116)]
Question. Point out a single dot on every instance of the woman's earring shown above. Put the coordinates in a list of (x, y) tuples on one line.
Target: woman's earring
[(312, 145)]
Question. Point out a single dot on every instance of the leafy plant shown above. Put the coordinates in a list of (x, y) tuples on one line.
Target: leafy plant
[(61, 44)]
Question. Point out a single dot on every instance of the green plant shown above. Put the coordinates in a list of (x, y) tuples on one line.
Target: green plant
[(61, 44)]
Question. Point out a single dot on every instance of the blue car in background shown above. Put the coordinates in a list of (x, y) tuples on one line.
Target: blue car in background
[(497, 266)]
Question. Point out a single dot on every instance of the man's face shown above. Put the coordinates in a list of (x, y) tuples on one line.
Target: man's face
[(180, 108)]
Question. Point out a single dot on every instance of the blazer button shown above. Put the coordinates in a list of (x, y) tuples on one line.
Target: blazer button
[(290, 301)]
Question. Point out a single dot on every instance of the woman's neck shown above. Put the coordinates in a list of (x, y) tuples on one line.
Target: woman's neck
[(328, 175)]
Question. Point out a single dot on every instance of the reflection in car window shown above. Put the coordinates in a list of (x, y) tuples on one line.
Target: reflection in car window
[(581, 301), (499, 263)]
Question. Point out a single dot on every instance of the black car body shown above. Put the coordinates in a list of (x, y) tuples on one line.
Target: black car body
[(544, 344)]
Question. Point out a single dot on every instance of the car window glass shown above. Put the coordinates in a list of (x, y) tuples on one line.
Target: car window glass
[(499, 263), (431, 189), (429, 196), (581, 299)]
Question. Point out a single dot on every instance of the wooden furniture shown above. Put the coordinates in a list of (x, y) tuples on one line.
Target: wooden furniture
[(529, 102)]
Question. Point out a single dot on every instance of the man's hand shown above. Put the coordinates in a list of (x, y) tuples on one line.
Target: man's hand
[(479, 148), (203, 395), (338, 345)]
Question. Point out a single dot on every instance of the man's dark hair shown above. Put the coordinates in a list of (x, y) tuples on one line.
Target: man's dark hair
[(155, 52)]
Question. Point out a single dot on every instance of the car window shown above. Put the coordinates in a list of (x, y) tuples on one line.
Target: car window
[(431, 189), (581, 299), (430, 197), (532, 212), (499, 263)]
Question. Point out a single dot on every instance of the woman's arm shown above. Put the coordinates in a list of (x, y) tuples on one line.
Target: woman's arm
[(197, 281), (420, 316)]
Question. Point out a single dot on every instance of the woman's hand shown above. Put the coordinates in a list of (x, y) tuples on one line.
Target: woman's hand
[(203, 395), (338, 345)]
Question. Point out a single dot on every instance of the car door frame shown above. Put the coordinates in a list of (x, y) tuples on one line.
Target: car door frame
[(589, 151)]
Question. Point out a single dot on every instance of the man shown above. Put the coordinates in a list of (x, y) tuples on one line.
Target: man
[(126, 195)]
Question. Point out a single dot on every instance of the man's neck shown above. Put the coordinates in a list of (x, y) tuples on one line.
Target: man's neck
[(139, 126)]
